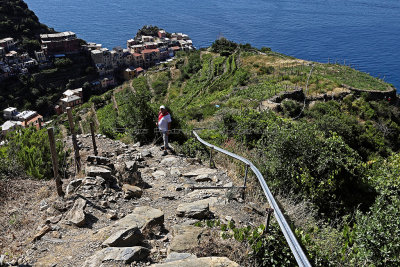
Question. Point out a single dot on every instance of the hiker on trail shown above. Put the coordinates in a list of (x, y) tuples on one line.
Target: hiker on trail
[(164, 125)]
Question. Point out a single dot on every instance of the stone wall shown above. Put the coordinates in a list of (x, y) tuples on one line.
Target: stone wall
[(373, 94)]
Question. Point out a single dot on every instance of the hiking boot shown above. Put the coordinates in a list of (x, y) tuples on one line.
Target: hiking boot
[(165, 153)]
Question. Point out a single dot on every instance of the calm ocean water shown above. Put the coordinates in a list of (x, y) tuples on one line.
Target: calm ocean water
[(363, 33)]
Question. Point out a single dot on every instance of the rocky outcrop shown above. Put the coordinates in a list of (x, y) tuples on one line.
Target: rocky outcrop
[(135, 208)]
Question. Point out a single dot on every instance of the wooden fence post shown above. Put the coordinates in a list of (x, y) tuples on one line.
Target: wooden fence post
[(54, 159), (74, 142), (93, 138), (40, 123)]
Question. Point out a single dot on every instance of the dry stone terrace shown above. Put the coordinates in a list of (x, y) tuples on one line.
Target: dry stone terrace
[(133, 207)]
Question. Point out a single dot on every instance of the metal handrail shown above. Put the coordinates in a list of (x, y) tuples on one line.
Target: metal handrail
[(294, 245)]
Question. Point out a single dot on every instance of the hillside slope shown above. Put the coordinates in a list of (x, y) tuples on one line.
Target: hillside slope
[(18, 21), (320, 134)]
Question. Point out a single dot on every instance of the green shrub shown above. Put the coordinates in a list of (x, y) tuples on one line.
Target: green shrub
[(63, 62), (377, 234), (291, 108), (268, 247), (30, 148), (265, 49), (223, 45)]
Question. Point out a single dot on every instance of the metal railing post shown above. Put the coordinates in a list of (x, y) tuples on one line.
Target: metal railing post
[(269, 212), (245, 181), (245, 175), (211, 150)]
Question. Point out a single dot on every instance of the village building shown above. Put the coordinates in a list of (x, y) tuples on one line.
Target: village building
[(23, 119), (10, 113), (161, 34), (150, 57), (60, 43), (70, 98), (9, 126), (129, 73), (138, 60), (91, 46), (7, 43), (147, 39), (108, 82), (142, 51), (40, 56)]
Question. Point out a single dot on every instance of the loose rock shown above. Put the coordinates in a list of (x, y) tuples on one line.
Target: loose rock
[(77, 215), (124, 255), (131, 191)]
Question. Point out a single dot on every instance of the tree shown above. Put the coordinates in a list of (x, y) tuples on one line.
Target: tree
[(223, 45)]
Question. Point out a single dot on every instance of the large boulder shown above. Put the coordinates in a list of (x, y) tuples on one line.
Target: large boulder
[(128, 173), (76, 214), (129, 230), (203, 262), (186, 237), (130, 236), (197, 210), (124, 255)]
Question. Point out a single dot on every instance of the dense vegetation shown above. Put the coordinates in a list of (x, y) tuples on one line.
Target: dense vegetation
[(340, 159), (27, 153), (17, 21), (149, 30)]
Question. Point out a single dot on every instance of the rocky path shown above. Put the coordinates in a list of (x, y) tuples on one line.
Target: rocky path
[(133, 207)]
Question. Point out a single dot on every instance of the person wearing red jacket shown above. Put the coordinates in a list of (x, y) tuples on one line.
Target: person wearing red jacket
[(164, 125)]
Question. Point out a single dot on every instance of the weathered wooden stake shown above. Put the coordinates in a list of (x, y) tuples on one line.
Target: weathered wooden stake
[(54, 159), (74, 142), (40, 123), (93, 138)]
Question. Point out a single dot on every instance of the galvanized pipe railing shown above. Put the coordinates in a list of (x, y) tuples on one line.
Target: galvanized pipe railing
[(287, 232)]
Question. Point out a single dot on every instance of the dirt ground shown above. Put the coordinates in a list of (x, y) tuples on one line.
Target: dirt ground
[(19, 212)]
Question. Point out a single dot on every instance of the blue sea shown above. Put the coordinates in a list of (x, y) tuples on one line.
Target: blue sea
[(363, 33)]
